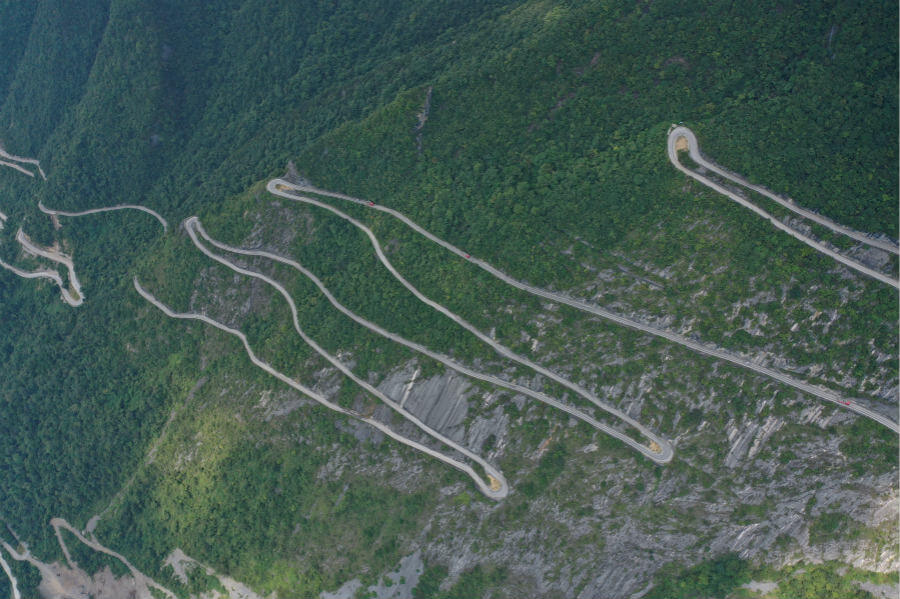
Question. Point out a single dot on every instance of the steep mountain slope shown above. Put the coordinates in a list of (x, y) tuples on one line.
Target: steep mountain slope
[(531, 134)]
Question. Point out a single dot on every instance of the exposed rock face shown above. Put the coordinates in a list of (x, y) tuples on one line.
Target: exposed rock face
[(747, 440), (181, 564), (756, 465), (439, 401), (443, 403), (70, 584), (488, 428), (401, 582)]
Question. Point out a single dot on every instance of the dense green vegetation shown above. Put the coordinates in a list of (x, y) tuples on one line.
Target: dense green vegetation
[(878, 447), (549, 468), (820, 582), (723, 577), (715, 578), (472, 583), (429, 582), (543, 153)]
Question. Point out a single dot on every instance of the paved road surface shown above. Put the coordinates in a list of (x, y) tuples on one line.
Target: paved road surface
[(446, 360), (285, 189), (149, 211), (660, 457), (279, 187), (192, 225), (140, 577), (696, 156), (46, 571), (4, 154), (59, 257), (77, 298), (498, 491), (17, 167), (46, 273), (12, 579), (684, 132)]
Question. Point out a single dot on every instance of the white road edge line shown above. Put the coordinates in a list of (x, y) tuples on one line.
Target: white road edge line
[(485, 488), (149, 211), (696, 156), (277, 186), (694, 151), (12, 579), (280, 188), (193, 223), (664, 456)]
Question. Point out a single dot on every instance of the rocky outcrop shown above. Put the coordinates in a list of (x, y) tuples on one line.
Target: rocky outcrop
[(439, 401)]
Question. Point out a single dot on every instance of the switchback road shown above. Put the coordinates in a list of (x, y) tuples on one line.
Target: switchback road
[(192, 225), (694, 151), (282, 188), (140, 577), (7, 156), (496, 489), (285, 189), (149, 211), (46, 273), (74, 298), (661, 457)]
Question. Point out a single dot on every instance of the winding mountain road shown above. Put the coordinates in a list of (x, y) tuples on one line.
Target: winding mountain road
[(495, 489), (60, 523), (55, 255), (192, 224), (677, 132), (75, 297), (50, 572), (46, 273), (694, 151), (12, 579), (149, 211), (8, 156), (279, 187), (46, 571), (285, 189), (661, 457), (17, 167)]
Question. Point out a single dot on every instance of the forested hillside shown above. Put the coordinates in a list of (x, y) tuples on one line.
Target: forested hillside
[(532, 134)]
